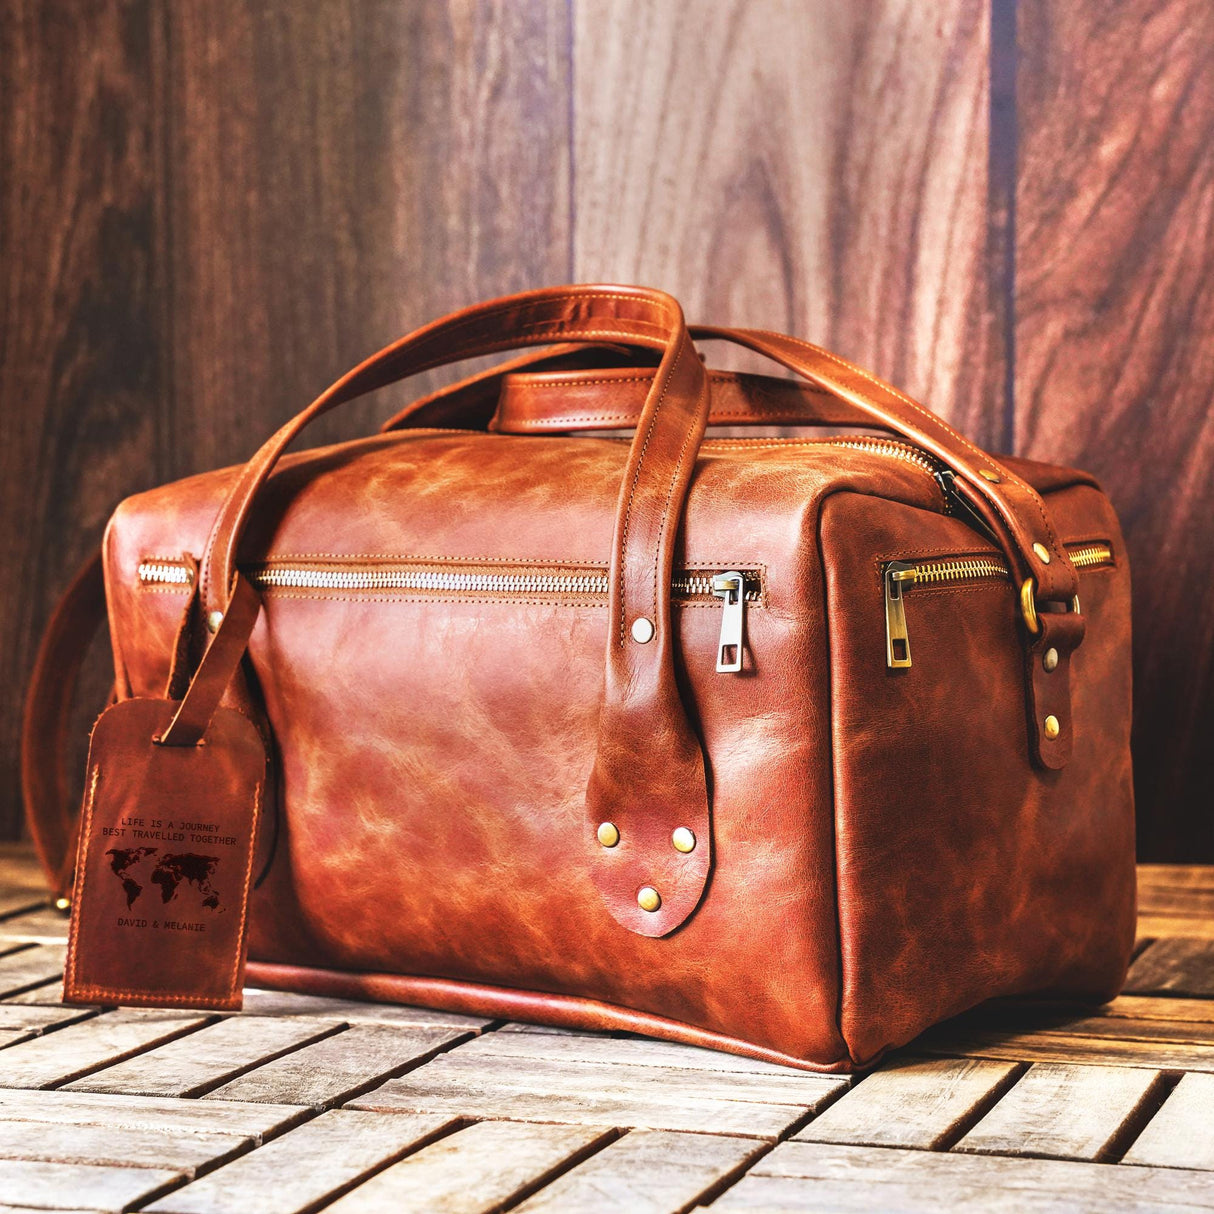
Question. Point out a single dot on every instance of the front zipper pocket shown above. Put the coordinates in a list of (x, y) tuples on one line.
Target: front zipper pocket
[(900, 576), (572, 585)]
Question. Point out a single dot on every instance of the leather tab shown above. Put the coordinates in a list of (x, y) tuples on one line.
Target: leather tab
[(165, 861), (557, 402), (1048, 682)]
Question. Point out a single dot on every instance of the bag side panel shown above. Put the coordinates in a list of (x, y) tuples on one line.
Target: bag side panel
[(965, 872)]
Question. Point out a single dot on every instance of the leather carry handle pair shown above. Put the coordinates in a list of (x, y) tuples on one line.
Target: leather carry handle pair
[(649, 773)]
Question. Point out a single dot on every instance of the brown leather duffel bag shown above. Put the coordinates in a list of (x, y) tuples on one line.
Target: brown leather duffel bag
[(790, 746)]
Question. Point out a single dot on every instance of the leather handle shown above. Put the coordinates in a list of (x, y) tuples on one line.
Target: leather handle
[(649, 771)]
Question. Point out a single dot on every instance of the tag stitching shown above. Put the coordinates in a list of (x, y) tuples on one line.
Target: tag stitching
[(238, 964), (83, 868)]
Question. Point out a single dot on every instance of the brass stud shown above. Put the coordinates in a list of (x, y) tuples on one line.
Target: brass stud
[(1050, 659), (642, 630), (63, 904), (683, 839), (214, 620), (988, 475), (1043, 553), (1052, 728), (648, 898), (608, 834)]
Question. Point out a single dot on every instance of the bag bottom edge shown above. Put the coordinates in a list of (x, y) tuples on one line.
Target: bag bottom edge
[(498, 1002)]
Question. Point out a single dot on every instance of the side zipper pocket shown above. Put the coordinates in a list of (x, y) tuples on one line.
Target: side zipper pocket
[(901, 576)]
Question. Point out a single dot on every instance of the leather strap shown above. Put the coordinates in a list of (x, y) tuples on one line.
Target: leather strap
[(538, 401), (471, 402), (649, 773)]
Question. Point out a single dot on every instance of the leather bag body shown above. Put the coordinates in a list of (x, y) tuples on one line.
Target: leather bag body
[(486, 668)]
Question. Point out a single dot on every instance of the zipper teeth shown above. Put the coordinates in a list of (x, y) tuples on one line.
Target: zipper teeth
[(961, 569), (165, 574), (958, 569), (1085, 556), (883, 446), (288, 577)]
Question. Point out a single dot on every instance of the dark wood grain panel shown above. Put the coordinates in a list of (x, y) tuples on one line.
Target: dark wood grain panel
[(342, 173), (1115, 342), (812, 167), (81, 371)]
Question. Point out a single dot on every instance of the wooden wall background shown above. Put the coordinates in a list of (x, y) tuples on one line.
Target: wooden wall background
[(209, 208)]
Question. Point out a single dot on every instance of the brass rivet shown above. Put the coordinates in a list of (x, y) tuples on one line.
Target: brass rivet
[(642, 630), (648, 898), (63, 904), (1050, 659), (988, 475), (1052, 728), (1043, 553), (608, 835), (214, 620), (683, 839)]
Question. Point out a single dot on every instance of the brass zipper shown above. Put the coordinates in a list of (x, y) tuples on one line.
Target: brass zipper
[(473, 578), (900, 576), (590, 585)]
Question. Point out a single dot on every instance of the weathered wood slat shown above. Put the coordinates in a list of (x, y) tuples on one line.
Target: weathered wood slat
[(212, 1056), (1181, 1134), (1178, 965), (800, 1176), (911, 1104), (335, 1068), (158, 1113), (646, 1172), (612, 1051), (45, 925), (623, 1077), (1195, 927), (1176, 890), (303, 1168), (1088, 1051), (20, 1022), (625, 1096), (117, 1146), (1147, 1007), (59, 1186), (285, 1003), (101, 1041), (1064, 1112), (484, 1167), (30, 966), (591, 1108)]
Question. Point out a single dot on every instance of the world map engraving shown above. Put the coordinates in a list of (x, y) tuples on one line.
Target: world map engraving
[(130, 865)]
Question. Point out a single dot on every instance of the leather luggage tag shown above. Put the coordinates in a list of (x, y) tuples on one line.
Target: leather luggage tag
[(165, 861)]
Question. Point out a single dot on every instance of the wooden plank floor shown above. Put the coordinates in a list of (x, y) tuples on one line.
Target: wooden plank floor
[(301, 1104)]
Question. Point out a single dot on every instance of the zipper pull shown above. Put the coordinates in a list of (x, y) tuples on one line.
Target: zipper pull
[(898, 576), (732, 588), (958, 507)]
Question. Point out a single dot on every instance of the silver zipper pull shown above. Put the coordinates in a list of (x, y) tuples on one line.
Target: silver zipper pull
[(731, 587), (898, 576)]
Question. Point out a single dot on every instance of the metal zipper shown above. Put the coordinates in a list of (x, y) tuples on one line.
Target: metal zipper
[(735, 588), (901, 576)]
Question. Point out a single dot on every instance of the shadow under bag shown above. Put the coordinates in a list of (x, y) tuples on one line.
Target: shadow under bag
[(791, 746)]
